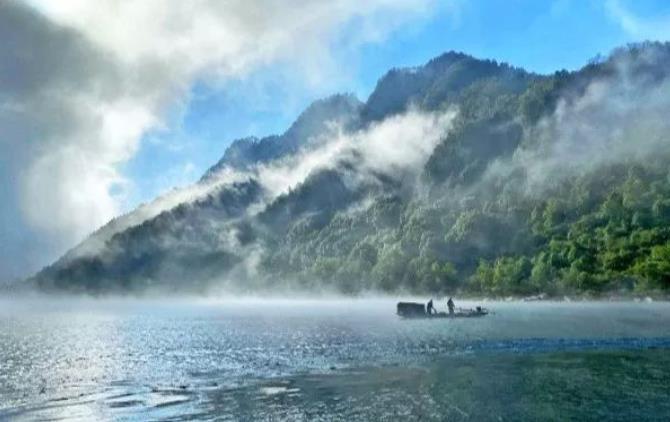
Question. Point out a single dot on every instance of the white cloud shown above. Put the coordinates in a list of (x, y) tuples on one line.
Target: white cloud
[(619, 118), (82, 81), (655, 28), (226, 38), (399, 144)]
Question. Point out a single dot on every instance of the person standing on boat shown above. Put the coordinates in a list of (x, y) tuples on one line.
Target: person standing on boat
[(430, 308), (451, 306)]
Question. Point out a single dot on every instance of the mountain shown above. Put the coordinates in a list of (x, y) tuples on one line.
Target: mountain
[(312, 126), (462, 175), (441, 80)]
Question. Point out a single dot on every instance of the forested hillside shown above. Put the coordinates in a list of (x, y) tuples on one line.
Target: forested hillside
[(462, 175)]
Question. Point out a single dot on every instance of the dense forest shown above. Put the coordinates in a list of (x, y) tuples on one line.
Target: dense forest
[(554, 184)]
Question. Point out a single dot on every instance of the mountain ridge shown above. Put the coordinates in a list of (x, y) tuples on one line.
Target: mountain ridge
[(338, 109), (349, 225)]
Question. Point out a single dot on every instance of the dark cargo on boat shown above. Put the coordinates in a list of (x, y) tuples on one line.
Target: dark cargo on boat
[(410, 309)]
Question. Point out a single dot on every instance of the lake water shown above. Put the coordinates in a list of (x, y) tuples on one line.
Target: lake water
[(331, 360)]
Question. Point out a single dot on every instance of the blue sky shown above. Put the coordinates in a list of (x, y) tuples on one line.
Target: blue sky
[(541, 36)]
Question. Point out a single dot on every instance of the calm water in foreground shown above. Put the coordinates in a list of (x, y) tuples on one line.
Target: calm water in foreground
[(331, 360)]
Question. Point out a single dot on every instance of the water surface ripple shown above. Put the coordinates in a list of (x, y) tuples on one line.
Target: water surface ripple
[(133, 360)]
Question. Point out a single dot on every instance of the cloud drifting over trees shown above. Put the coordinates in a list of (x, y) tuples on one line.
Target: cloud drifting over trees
[(83, 81)]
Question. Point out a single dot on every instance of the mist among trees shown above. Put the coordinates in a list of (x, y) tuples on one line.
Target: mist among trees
[(462, 175)]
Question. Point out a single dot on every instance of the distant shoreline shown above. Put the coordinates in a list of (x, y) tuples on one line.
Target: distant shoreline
[(19, 292)]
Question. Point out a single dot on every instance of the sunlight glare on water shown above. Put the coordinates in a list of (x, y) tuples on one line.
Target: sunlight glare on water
[(167, 359)]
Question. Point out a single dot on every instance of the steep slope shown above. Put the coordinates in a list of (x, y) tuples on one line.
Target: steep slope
[(315, 122), (184, 243), (462, 174)]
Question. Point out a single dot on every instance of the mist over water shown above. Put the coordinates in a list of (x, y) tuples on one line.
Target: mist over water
[(176, 359)]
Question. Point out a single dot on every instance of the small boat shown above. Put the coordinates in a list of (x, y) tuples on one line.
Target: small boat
[(418, 310)]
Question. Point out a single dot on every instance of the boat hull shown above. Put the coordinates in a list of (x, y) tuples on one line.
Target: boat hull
[(443, 315), (413, 310)]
